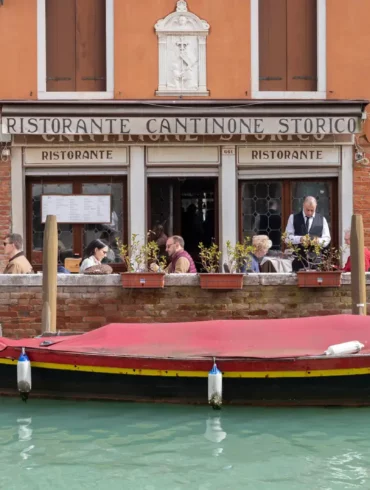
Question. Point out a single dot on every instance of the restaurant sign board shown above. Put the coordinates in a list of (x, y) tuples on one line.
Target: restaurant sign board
[(71, 156), (180, 125), (289, 155)]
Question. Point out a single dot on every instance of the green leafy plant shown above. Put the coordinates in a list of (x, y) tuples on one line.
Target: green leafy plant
[(138, 257), (210, 257), (239, 256), (151, 251), (313, 255), (130, 254)]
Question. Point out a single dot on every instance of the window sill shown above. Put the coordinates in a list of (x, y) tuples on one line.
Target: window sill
[(178, 93), (289, 95), (75, 95)]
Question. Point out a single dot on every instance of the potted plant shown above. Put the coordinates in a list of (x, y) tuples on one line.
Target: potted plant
[(320, 264), (238, 261), (138, 259)]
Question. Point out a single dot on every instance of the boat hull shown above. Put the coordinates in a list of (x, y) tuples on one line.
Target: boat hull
[(239, 387), (263, 362)]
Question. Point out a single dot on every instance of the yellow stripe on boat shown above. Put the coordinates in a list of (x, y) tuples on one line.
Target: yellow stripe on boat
[(195, 374)]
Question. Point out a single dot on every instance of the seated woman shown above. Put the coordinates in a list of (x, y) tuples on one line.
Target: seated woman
[(347, 241), (93, 256), (262, 245)]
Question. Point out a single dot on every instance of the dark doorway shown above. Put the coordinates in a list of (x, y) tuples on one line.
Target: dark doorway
[(186, 207)]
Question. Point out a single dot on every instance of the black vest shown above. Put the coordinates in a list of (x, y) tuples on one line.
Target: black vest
[(300, 225)]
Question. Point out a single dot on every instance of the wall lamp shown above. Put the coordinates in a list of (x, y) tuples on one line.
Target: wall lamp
[(5, 153)]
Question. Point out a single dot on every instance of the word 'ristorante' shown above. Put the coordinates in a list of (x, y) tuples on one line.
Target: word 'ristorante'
[(52, 155), (287, 154)]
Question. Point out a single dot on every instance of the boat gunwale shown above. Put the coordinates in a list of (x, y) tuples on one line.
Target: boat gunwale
[(210, 357)]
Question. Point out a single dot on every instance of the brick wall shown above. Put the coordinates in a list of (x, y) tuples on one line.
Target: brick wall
[(85, 307), (5, 207), (361, 194)]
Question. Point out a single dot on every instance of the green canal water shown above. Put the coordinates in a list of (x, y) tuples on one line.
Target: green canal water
[(85, 445)]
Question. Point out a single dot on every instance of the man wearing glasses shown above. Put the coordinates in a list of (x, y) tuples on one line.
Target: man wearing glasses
[(18, 264), (181, 261)]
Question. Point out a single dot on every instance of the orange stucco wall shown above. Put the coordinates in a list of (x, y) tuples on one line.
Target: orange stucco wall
[(228, 52), (228, 47), (348, 56), (18, 50)]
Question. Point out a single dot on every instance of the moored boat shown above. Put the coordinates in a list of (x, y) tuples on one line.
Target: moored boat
[(263, 362)]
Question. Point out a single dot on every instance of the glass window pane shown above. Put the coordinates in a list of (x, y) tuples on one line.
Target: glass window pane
[(108, 232), (65, 235), (320, 190), (261, 210)]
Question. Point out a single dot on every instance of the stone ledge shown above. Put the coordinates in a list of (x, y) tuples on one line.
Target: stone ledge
[(175, 280)]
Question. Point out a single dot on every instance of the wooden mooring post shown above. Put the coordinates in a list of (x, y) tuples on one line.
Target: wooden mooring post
[(49, 275), (358, 279)]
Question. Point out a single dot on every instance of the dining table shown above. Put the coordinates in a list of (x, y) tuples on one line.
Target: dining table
[(278, 264)]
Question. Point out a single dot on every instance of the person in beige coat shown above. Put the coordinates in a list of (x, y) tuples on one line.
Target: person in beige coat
[(18, 264)]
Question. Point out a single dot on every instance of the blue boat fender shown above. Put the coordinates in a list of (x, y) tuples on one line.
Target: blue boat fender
[(215, 387), (24, 375)]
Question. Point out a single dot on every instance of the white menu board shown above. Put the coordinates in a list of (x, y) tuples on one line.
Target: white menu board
[(77, 208)]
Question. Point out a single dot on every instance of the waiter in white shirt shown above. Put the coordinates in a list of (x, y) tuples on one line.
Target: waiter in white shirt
[(307, 222)]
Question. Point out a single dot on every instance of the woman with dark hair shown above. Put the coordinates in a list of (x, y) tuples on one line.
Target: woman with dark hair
[(94, 254)]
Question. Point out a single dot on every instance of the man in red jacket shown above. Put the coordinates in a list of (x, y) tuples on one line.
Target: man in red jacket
[(347, 241)]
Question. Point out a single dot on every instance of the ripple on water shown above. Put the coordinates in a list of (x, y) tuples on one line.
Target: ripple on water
[(65, 445)]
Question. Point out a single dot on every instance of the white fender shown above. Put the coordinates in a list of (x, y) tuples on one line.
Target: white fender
[(215, 387), (345, 348), (24, 374)]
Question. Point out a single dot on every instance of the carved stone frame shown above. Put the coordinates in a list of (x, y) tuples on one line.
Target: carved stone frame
[(182, 28)]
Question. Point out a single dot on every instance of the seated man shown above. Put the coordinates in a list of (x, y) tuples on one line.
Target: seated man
[(307, 222), (18, 264), (159, 236), (181, 261), (347, 241)]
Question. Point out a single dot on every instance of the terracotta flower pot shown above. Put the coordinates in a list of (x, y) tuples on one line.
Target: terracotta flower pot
[(221, 281), (317, 279), (142, 280)]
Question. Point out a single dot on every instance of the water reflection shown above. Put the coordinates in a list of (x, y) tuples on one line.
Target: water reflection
[(215, 433), (348, 467), (71, 445), (24, 429), (25, 435)]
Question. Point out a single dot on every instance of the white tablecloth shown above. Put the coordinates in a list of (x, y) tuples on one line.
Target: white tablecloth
[(280, 264)]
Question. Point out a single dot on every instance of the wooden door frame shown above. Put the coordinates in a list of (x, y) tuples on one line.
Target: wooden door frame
[(334, 205), (286, 209)]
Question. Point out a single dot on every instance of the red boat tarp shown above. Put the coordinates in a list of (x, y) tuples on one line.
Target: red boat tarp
[(288, 337)]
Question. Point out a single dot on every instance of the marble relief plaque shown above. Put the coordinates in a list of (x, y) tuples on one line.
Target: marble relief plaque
[(182, 53)]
